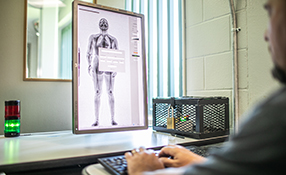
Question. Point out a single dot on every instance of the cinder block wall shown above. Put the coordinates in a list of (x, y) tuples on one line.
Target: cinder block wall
[(209, 51)]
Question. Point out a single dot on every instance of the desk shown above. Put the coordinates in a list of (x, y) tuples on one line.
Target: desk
[(56, 150)]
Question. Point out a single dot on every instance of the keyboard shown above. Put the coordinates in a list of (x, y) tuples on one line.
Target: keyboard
[(204, 151), (117, 165)]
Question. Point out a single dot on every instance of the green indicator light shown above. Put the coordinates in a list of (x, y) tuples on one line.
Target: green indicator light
[(12, 126), (183, 119)]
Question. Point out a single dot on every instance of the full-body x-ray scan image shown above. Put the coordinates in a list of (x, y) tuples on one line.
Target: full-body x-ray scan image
[(96, 41)]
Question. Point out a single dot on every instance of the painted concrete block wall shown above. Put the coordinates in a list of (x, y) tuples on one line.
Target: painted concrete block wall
[(209, 65)]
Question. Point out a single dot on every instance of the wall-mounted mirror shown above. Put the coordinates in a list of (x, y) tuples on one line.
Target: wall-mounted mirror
[(48, 39)]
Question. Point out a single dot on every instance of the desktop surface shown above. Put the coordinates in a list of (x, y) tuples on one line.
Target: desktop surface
[(58, 149)]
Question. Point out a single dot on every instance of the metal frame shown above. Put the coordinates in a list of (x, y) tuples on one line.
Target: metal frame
[(75, 73), (199, 103)]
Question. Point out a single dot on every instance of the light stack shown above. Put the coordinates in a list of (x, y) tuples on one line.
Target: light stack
[(12, 118)]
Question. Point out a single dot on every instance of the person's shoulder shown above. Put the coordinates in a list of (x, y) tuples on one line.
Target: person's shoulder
[(275, 102), (269, 114), (277, 99), (273, 108)]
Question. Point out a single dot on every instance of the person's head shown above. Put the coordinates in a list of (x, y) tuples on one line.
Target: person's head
[(103, 24), (275, 35)]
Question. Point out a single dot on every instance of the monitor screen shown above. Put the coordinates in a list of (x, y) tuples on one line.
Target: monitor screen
[(109, 69)]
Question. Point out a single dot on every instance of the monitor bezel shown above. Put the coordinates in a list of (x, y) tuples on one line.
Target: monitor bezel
[(75, 72)]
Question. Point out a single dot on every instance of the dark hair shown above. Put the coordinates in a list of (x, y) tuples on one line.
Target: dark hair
[(279, 74)]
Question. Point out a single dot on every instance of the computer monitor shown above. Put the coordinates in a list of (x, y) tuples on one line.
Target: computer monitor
[(109, 69)]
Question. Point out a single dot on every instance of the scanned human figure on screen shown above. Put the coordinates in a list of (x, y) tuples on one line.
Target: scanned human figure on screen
[(96, 41)]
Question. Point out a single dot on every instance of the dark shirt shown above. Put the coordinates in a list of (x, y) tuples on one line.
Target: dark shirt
[(259, 148)]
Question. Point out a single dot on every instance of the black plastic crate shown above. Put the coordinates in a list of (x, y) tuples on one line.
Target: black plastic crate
[(196, 117)]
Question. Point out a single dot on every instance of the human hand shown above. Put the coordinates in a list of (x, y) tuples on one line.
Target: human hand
[(142, 160), (180, 156)]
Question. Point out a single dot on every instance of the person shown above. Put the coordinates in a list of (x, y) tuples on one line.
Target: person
[(259, 147), (101, 40)]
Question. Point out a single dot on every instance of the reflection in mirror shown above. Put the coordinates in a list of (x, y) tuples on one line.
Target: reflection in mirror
[(49, 40)]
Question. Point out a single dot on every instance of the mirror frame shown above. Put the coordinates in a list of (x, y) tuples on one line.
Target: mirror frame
[(25, 78)]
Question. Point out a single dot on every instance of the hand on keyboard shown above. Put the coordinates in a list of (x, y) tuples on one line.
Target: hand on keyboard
[(147, 160), (180, 156), (117, 165), (144, 160)]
